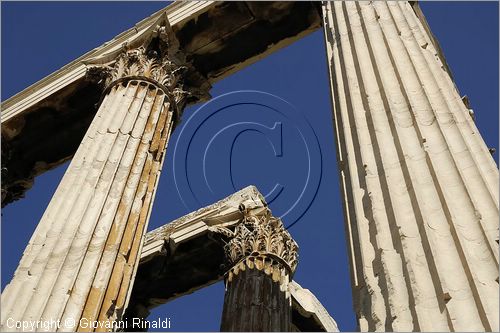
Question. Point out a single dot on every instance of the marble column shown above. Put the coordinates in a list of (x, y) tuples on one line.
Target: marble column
[(420, 187), (79, 264), (263, 257)]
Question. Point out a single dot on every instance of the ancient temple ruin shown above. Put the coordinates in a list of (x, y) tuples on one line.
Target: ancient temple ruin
[(419, 185), (233, 237)]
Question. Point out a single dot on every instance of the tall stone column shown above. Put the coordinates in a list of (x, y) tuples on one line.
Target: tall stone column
[(83, 255), (420, 187), (263, 257)]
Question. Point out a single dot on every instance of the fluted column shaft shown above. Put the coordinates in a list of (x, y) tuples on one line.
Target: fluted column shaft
[(263, 257), (420, 187), (254, 302), (80, 262)]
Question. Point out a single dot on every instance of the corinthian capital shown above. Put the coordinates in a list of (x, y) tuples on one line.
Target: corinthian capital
[(146, 64), (154, 57), (261, 242)]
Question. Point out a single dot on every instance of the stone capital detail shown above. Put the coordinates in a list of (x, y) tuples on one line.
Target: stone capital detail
[(155, 58), (143, 63), (262, 242), (147, 64)]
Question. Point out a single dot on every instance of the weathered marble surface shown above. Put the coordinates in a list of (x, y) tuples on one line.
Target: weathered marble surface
[(188, 254), (420, 186)]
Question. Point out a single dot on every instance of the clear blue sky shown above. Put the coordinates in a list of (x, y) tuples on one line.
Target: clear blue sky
[(39, 38)]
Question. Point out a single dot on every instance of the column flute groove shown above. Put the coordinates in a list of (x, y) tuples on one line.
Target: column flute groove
[(482, 185), (366, 291), (68, 249), (80, 261), (71, 212), (39, 236), (383, 209), (479, 250), (401, 119), (69, 270), (479, 151), (407, 216), (421, 169)]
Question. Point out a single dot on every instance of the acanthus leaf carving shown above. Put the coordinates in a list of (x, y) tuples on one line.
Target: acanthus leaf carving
[(143, 62), (262, 237)]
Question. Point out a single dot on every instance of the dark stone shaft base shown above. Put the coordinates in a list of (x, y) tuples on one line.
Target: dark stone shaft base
[(254, 303)]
